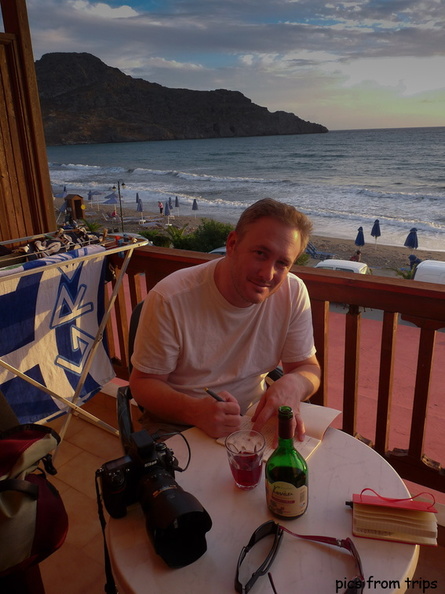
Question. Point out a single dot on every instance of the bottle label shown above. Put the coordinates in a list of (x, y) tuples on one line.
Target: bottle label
[(286, 500)]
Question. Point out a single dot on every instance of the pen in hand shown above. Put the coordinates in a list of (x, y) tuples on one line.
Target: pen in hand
[(214, 395)]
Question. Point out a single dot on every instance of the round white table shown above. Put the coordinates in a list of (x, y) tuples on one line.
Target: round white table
[(340, 467)]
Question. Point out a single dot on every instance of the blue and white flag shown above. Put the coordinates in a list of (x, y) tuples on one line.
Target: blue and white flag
[(48, 323)]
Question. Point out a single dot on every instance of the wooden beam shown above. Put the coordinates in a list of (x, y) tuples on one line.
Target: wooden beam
[(26, 188)]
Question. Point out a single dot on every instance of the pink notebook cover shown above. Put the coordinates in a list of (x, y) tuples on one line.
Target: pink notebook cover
[(394, 503)]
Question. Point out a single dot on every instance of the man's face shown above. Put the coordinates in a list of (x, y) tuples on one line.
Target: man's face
[(259, 260)]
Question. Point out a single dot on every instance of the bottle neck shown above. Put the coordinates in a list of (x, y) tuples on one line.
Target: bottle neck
[(285, 430)]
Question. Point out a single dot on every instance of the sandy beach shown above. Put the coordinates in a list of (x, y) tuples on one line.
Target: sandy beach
[(381, 258), (377, 255)]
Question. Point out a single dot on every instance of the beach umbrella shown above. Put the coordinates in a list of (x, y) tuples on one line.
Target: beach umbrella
[(195, 204), (170, 202), (167, 212), (61, 194), (411, 239), (137, 196), (360, 239), (111, 199), (91, 194), (176, 202), (375, 231), (140, 208)]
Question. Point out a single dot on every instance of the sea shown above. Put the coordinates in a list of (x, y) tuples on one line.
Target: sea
[(342, 180)]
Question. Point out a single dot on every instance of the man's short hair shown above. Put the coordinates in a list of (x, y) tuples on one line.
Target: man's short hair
[(285, 213)]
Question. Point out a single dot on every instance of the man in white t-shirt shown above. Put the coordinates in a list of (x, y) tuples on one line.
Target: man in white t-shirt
[(225, 324)]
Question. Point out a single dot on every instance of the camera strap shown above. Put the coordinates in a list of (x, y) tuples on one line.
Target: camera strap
[(110, 585)]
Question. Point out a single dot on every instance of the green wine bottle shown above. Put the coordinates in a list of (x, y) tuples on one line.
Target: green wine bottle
[(286, 473)]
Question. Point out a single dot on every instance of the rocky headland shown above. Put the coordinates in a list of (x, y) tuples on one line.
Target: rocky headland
[(84, 101)]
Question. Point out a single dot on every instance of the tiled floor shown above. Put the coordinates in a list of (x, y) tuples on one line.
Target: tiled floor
[(77, 567)]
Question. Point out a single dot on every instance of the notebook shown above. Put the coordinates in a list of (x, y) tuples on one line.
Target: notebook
[(399, 520), (316, 420)]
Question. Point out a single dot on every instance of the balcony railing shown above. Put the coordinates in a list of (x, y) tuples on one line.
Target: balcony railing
[(385, 374)]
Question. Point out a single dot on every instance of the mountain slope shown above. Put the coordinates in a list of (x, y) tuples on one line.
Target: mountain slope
[(85, 101)]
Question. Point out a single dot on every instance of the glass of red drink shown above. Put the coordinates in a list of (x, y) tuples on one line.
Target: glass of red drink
[(245, 451)]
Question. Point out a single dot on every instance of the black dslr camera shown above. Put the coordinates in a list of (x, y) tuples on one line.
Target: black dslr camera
[(175, 519)]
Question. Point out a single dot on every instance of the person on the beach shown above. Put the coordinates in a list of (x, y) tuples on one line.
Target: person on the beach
[(161, 207), (224, 325), (356, 257)]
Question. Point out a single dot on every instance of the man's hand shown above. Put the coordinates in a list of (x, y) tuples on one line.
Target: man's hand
[(299, 382), (218, 419), (156, 396), (271, 400)]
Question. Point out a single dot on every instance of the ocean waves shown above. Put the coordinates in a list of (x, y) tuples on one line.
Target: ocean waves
[(341, 180)]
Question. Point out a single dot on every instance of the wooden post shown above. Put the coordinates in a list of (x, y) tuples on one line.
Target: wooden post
[(26, 202)]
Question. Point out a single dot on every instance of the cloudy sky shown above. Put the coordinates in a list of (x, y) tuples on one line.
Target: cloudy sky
[(344, 63)]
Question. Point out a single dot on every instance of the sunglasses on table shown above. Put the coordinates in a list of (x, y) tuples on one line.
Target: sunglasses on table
[(271, 528)]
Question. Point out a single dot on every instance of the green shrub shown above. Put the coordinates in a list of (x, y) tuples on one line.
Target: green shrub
[(209, 235), (407, 274), (157, 237), (92, 226), (302, 260), (178, 236)]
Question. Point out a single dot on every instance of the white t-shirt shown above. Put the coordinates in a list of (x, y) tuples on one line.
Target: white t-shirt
[(189, 331)]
